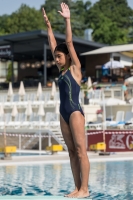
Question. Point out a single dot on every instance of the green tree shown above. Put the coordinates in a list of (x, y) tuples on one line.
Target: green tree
[(27, 19), (110, 21), (9, 72), (24, 19), (3, 22), (130, 35), (78, 14), (109, 33)]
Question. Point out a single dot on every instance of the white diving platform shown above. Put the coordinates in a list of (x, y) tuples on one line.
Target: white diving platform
[(39, 198)]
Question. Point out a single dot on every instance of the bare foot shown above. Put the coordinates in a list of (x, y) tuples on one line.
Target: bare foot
[(81, 194), (72, 193)]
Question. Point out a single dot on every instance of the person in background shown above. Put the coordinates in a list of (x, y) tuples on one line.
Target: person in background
[(125, 90)]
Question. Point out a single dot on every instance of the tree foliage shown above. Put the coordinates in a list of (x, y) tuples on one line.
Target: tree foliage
[(9, 72), (3, 21), (78, 13), (24, 19), (111, 20)]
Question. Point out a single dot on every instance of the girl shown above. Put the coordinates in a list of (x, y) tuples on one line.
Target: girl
[(71, 115)]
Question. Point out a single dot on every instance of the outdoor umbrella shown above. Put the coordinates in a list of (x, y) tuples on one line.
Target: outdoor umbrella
[(28, 111), (39, 90), (14, 111), (53, 91), (41, 111), (129, 80), (89, 85), (10, 90), (113, 65), (57, 108), (2, 117), (21, 91), (1, 110), (29, 116)]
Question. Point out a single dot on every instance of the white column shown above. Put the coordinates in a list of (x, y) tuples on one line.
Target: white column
[(49, 140), (19, 141), (112, 93), (40, 141)]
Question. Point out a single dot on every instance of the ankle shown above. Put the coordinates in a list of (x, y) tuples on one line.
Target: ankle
[(84, 189), (77, 188)]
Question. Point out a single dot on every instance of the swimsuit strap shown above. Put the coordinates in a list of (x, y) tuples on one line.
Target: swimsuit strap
[(63, 69)]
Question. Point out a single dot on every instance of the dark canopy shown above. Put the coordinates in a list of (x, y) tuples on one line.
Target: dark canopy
[(31, 44), (34, 45)]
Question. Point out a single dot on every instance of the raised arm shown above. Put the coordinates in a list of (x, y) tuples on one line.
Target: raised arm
[(66, 14), (51, 38)]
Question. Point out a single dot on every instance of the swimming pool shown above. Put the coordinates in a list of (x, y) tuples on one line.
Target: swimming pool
[(108, 180), (26, 154)]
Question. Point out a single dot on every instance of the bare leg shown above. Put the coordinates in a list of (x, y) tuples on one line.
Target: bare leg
[(74, 161), (77, 122), (126, 95)]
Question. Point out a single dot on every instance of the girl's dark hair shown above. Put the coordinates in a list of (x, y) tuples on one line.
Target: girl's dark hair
[(62, 47)]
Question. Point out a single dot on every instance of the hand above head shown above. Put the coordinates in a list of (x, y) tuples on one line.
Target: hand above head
[(65, 11), (45, 18)]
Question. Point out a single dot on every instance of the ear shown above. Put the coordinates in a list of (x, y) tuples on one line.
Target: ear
[(68, 56)]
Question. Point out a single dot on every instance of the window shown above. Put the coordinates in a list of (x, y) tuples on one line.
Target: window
[(4, 69), (117, 58)]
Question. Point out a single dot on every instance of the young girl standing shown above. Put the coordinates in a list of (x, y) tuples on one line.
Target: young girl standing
[(72, 119)]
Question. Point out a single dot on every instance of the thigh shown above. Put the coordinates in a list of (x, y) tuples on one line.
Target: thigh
[(77, 126), (67, 134)]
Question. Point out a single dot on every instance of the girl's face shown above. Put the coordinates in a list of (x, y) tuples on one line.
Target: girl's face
[(61, 59)]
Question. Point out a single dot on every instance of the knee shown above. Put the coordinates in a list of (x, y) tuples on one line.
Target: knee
[(72, 152), (81, 152)]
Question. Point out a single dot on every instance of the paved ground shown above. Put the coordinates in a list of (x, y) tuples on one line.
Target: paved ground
[(64, 158)]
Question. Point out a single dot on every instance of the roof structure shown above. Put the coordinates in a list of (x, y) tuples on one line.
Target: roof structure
[(31, 43), (126, 49)]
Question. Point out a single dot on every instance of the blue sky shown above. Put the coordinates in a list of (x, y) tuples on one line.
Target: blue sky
[(9, 6)]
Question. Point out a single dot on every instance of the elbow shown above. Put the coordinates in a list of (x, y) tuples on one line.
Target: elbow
[(69, 42)]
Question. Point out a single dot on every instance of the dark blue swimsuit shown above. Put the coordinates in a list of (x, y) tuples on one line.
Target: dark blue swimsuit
[(69, 95)]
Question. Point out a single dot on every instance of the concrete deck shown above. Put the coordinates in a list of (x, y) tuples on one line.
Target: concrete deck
[(64, 158)]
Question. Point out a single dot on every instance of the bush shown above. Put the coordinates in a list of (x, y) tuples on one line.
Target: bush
[(9, 73)]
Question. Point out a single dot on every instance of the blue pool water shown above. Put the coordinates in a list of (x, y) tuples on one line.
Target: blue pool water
[(25, 154), (108, 180)]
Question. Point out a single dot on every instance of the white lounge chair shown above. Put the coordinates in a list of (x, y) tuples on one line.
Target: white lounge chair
[(119, 119), (127, 120), (99, 125)]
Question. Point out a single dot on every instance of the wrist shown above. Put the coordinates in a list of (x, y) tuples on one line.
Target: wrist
[(67, 19)]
